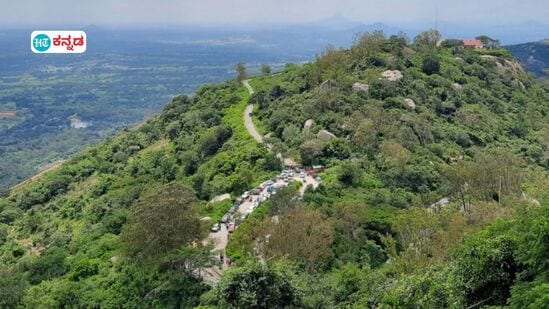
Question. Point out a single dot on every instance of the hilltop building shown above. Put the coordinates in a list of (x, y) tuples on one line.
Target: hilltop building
[(473, 43)]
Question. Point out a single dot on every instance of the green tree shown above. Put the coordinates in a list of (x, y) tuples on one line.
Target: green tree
[(12, 287), (51, 264), (428, 38), (367, 44), (160, 222), (493, 175), (241, 73), (265, 69), (485, 270), (301, 235), (350, 174), (284, 200), (257, 286), (431, 64), (310, 151)]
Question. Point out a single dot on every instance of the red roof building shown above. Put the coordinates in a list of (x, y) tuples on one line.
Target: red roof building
[(473, 44)]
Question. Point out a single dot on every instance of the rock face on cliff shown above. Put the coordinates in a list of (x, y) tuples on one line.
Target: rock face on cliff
[(358, 87), (392, 75), (410, 103), (308, 124), (325, 134), (327, 84), (505, 65)]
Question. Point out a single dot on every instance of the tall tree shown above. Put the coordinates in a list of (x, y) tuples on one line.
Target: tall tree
[(257, 286), (431, 64), (265, 69), (301, 235), (367, 44), (428, 38), (160, 222), (241, 73), (284, 200)]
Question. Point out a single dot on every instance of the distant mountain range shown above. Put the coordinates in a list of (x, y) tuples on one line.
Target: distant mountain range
[(535, 56)]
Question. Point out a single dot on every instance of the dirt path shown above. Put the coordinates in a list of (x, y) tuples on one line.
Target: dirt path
[(250, 124), (248, 86), (252, 130)]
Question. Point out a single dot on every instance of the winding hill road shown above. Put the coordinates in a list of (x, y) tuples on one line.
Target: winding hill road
[(250, 124), (252, 130), (220, 239)]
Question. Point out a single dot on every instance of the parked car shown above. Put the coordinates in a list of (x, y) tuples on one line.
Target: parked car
[(216, 227), (225, 218)]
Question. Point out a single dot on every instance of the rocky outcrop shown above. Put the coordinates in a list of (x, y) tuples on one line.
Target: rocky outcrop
[(393, 75), (410, 103), (513, 66), (325, 135), (505, 65), (358, 87), (443, 202), (457, 86), (308, 124), (327, 84)]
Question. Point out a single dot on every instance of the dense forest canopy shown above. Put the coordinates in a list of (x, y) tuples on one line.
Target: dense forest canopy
[(434, 192)]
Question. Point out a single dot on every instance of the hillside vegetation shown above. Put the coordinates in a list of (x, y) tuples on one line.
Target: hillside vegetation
[(434, 192)]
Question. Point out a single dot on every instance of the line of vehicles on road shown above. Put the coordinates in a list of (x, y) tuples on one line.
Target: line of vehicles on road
[(250, 200)]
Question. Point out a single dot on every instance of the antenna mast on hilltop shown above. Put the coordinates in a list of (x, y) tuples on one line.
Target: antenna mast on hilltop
[(436, 18)]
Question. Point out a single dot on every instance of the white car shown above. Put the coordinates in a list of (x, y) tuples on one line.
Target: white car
[(215, 228)]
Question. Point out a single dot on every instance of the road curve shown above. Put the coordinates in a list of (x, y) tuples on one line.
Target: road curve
[(246, 84), (248, 122), (252, 130)]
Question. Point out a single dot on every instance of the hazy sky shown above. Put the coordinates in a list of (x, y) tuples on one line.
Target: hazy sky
[(268, 11)]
